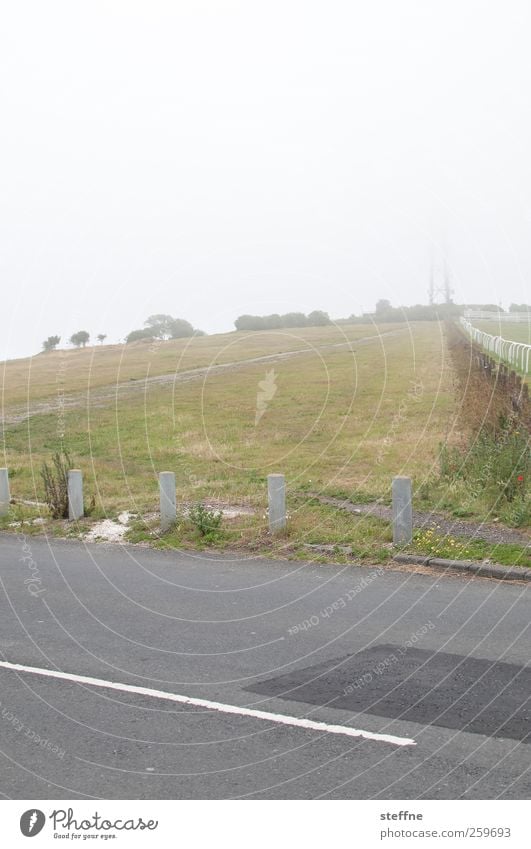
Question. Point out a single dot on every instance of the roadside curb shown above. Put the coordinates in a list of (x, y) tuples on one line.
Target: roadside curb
[(487, 570)]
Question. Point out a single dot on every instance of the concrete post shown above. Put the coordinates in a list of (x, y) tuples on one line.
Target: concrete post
[(76, 508), (402, 511), (168, 509), (276, 494), (4, 492)]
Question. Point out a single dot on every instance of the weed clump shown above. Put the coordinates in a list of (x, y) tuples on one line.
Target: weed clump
[(206, 521), (55, 480), (495, 468)]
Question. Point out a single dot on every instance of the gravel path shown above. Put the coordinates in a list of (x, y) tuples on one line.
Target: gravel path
[(443, 524)]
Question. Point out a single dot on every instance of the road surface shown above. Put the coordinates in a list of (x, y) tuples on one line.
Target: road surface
[(199, 676)]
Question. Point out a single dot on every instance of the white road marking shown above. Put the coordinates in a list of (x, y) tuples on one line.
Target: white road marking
[(281, 719)]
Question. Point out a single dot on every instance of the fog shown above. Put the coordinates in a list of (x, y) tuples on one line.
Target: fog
[(210, 158)]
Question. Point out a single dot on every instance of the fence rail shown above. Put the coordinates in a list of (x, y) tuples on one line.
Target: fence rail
[(516, 354)]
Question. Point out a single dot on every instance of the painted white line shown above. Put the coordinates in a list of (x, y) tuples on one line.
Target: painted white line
[(281, 719)]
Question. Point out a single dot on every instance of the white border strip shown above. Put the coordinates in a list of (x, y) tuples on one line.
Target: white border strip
[(295, 721)]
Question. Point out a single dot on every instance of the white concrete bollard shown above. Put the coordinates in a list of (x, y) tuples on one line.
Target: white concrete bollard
[(168, 509), (4, 492), (76, 507), (276, 494), (402, 511)]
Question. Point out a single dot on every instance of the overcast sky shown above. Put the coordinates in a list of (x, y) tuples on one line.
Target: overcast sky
[(207, 158)]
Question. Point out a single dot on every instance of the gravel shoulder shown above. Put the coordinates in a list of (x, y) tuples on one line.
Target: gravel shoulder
[(436, 521)]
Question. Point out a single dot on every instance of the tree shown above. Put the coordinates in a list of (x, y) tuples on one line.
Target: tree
[(80, 338), (164, 326), (51, 343), (179, 328), (272, 322), (159, 325), (294, 319), (249, 322), (383, 305), (101, 337), (137, 335), (318, 318)]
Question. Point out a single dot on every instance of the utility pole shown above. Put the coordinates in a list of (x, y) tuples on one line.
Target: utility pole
[(431, 288), (448, 291)]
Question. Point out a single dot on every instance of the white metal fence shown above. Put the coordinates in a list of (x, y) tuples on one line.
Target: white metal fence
[(516, 354)]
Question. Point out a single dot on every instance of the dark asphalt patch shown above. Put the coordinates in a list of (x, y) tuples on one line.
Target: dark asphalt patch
[(449, 690)]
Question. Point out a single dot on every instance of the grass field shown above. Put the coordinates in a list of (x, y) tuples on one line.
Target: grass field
[(335, 418), (514, 331), (86, 369)]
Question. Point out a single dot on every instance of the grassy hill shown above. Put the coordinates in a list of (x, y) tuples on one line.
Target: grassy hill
[(339, 411)]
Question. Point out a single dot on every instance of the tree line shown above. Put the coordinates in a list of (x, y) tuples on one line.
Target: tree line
[(317, 318), (79, 339), (162, 326), (158, 326)]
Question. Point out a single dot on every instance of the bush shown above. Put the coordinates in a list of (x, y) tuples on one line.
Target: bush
[(55, 479), (206, 521), (137, 335)]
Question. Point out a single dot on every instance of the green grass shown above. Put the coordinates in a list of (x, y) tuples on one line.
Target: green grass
[(429, 543), (338, 422), (514, 331), (45, 376)]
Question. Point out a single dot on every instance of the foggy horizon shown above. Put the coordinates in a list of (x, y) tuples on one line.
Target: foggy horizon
[(211, 161)]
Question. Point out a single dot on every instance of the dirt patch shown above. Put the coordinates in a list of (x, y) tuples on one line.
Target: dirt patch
[(109, 530)]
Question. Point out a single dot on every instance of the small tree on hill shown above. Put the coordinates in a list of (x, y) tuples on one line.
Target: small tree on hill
[(101, 337), (51, 343), (294, 319), (159, 325), (80, 338), (318, 318), (137, 335), (179, 328)]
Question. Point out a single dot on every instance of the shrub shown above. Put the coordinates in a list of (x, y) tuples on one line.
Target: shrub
[(501, 461), (206, 521), (55, 479)]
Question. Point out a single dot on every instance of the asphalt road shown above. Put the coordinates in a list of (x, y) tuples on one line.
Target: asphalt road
[(434, 663)]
